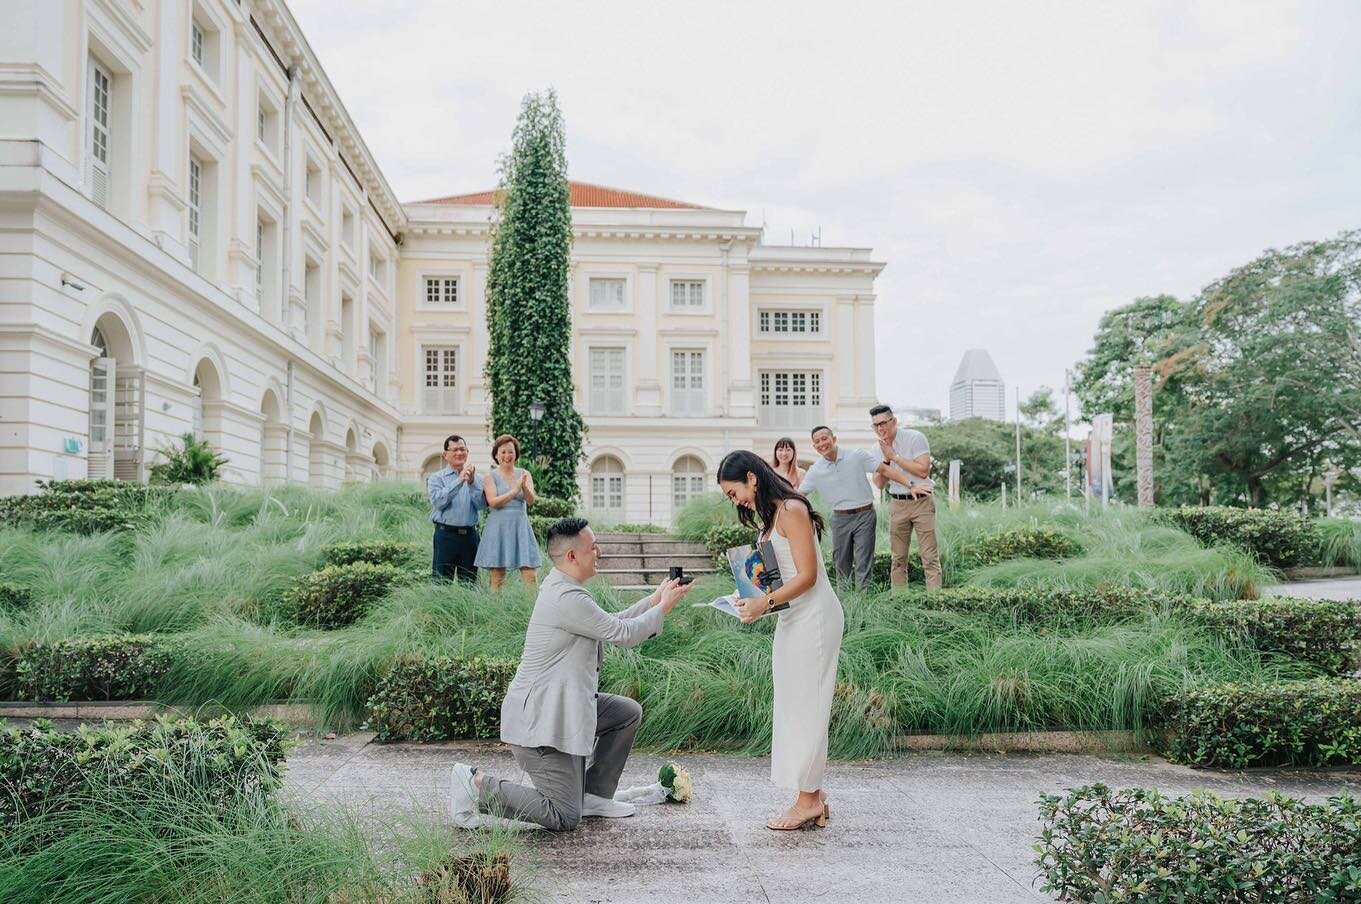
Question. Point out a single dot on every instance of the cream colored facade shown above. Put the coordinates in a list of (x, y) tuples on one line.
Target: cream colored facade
[(690, 339), (194, 238)]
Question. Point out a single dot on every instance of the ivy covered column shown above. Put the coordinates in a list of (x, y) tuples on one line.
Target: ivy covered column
[(528, 317)]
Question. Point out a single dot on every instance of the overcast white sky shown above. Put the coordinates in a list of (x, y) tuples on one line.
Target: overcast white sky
[(1022, 167)]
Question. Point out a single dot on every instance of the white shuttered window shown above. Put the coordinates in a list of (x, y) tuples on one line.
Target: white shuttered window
[(607, 381), (441, 380)]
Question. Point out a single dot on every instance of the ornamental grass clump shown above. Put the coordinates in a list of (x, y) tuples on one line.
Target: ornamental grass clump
[(82, 506), (339, 595), (1100, 844), (14, 596)]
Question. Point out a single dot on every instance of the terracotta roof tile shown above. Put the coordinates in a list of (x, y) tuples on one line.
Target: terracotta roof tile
[(583, 195)]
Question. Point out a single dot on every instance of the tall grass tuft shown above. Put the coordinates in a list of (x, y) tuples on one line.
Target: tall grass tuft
[(1339, 543), (125, 846)]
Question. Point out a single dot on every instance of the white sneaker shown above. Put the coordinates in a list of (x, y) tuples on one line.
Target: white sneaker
[(463, 797), (592, 805)]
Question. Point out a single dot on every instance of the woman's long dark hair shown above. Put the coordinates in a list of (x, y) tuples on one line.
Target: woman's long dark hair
[(771, 489)]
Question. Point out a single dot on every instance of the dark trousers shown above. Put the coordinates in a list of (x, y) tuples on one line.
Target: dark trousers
[(853, 541), (455, 550), (560, 779)]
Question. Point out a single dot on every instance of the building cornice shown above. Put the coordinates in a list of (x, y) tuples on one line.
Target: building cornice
[(274, 18), (33, 78)]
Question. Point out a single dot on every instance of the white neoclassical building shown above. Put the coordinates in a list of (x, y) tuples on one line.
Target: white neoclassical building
[(196, 239)]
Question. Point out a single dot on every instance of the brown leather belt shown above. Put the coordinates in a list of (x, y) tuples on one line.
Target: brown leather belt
[(854, 511)]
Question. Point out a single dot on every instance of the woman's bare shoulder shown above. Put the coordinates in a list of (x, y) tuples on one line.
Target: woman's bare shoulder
[(796, 506)]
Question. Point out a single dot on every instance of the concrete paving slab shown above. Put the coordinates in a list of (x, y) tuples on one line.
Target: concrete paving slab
[(924, 827), (1330, 589)]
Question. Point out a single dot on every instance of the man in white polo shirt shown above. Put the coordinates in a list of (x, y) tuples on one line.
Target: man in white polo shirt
[(912, 505), (838, 476)]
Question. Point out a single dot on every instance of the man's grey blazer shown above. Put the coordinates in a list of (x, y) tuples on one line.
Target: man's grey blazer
[(551, 701)]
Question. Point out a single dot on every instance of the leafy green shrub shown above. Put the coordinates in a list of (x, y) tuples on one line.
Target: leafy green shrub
[(541, 524), (1275, 538), (113, 667), (553, 507), (627, 528), (1020, 543), (81, 506), (1293, 723), (1099, 844), (42, 769), (1325, 633), (339, 595), (703, 512), (722, 537), (193, 462), (375, 552), (440, 699), (12, 596)]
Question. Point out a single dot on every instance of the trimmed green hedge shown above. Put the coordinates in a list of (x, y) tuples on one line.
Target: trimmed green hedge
[(1020, 543), (553, 507), (42, 769), (1099, 844), (722, 537), (440, 699), (339, 595), (1050, 607), (82, 506), (1276, 538), (375, 552), (1322, 632), (112, 667), (1295, 723)]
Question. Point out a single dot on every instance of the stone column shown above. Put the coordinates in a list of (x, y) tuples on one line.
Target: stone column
[(846, 351), (864, 352), (741, 396), (1143, 433), (237, 179), (166, 195), (479, 402), (648, 397)]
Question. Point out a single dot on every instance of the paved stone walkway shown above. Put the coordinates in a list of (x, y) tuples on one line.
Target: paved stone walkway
[(1327, 589), (920, 828)]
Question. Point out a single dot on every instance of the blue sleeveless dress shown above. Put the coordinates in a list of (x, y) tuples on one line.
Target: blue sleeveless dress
[(508, 539)]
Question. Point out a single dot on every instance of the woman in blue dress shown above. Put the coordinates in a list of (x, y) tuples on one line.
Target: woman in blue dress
[(508, 539)]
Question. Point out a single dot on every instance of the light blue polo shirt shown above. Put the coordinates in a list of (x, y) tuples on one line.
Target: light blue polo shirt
[(842, 483)]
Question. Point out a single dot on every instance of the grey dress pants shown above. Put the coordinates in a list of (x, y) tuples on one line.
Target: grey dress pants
[(853, 539), (561, 779)]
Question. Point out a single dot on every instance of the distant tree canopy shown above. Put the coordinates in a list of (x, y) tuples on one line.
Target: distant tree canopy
[(987, 454), (1257, 379)]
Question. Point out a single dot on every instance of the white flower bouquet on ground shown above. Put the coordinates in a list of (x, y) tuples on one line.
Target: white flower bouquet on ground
[(673, 785)]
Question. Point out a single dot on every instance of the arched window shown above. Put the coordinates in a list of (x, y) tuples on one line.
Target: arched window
[(607, 488), (687, 480), (432, 464)]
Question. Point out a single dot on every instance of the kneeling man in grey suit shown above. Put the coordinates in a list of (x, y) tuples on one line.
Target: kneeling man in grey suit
[(570, 739)]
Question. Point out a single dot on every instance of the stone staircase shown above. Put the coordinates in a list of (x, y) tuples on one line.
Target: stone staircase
[(640, 561)]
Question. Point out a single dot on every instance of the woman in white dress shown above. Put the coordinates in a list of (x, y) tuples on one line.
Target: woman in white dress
[(807, 636)]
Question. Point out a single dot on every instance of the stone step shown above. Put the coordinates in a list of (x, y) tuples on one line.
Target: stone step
[(670, 547), (656, 562), (637, 577)]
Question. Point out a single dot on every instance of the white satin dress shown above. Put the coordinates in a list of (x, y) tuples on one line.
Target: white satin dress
[(807, 644)]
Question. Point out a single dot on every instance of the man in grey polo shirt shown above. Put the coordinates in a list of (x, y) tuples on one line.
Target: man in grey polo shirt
[(838, 476), (912, 506)]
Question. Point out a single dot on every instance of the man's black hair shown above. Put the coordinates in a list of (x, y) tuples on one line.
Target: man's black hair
[(453, 438), (821, 427), (880, 409), (563, 529)]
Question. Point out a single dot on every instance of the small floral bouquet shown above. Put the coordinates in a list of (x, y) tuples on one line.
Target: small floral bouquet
[(673, 785)]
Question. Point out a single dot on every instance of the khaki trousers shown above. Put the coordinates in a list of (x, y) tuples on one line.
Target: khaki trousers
[(905, 515)]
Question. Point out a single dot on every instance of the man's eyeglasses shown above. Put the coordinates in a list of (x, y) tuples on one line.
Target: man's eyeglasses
[(884, 423)]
